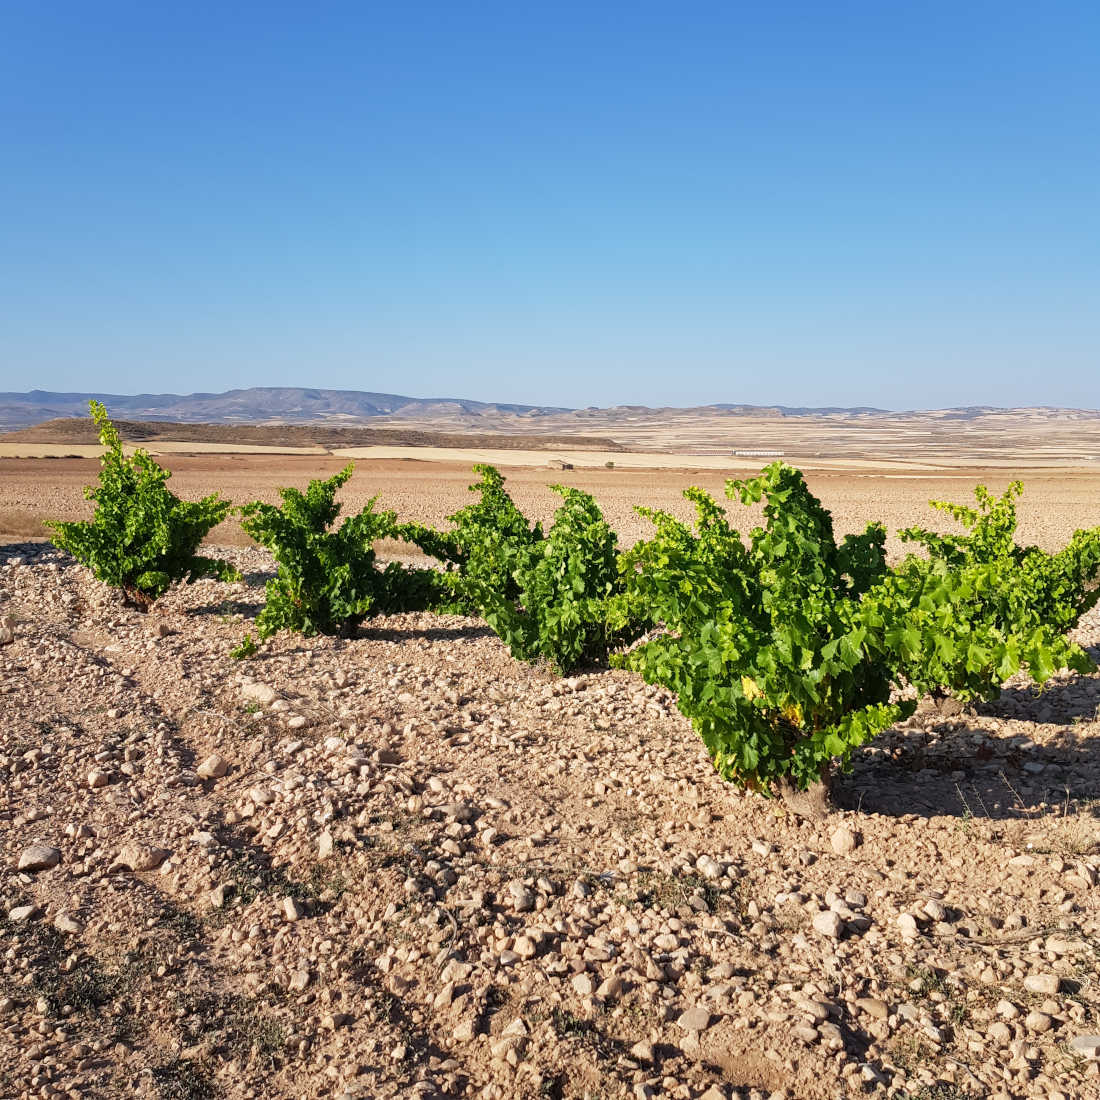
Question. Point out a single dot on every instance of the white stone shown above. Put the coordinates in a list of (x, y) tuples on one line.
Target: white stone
[(935, 910), (1047, 984), (525, 947), (908, 924), (843, 841), (64, 923), (1086, 1045), (828, 924), (695, 1019), (213, 767), (1038, 1022), (136, 856), (39, 857), (258, 693)]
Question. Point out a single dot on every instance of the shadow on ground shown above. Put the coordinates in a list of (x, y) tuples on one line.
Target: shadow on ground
[(959, 767), (226, 609), (435, 634)]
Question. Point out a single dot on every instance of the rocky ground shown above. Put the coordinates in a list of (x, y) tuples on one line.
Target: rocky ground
[(406, 865)]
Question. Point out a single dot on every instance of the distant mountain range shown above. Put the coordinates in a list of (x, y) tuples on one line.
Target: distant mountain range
[(260, 404), (339, 408)]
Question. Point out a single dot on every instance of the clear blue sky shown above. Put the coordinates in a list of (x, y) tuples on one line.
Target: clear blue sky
[(893, 204)]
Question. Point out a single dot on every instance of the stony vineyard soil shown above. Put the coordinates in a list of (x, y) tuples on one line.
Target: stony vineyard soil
[(406, 866)]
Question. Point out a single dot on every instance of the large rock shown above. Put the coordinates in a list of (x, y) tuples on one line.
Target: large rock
[(39, 857), (873, 1006), (1086, 1045), (213, 767), (1047, 984), (523, 899), (7, 629), (844, 841), (935, 910), (260, 694), (1038, 1021), (695, 1019), (908, 925), (829, 924), (136, 856), (63, 922)]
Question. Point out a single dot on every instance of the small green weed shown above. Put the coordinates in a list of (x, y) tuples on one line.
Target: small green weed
[(183, 1080), (941, 1090), (656, 890), (567, 1025), (923, 980), (251, 1031)]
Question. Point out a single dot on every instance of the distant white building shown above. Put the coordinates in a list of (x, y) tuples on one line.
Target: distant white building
[(758, 454)]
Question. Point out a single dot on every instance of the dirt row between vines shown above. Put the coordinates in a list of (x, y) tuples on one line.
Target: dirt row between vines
[(406, 865)]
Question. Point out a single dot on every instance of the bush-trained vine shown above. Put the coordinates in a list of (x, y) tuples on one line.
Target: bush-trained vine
[(979, 607), (765, 649), (142, 538), (482, 549), (546, 596), (790, 652), (565, 584), (328, 582)]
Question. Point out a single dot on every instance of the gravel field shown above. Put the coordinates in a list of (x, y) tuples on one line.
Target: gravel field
[(405, 865)]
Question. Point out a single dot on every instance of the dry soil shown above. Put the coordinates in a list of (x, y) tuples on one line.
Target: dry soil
[(405, 864)]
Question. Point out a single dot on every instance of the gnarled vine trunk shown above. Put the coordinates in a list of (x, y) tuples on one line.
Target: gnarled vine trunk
[(814, 803)]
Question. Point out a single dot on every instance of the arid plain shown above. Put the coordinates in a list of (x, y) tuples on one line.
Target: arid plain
[(864, 467), (429, 487), (406, 865)]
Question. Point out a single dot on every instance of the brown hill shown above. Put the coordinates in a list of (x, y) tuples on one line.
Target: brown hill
[(81, 430)]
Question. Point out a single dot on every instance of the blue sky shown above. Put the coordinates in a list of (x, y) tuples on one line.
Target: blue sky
[(789, 203)]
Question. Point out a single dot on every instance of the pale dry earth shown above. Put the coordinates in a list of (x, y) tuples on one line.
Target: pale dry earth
[(406, 865), (1055, 503), (945, 438), (940, 439)]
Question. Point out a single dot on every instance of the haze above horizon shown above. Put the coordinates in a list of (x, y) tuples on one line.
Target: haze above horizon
[(845, 205)]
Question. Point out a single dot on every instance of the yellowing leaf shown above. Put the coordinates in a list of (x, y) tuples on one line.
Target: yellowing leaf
[(793, 713)]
